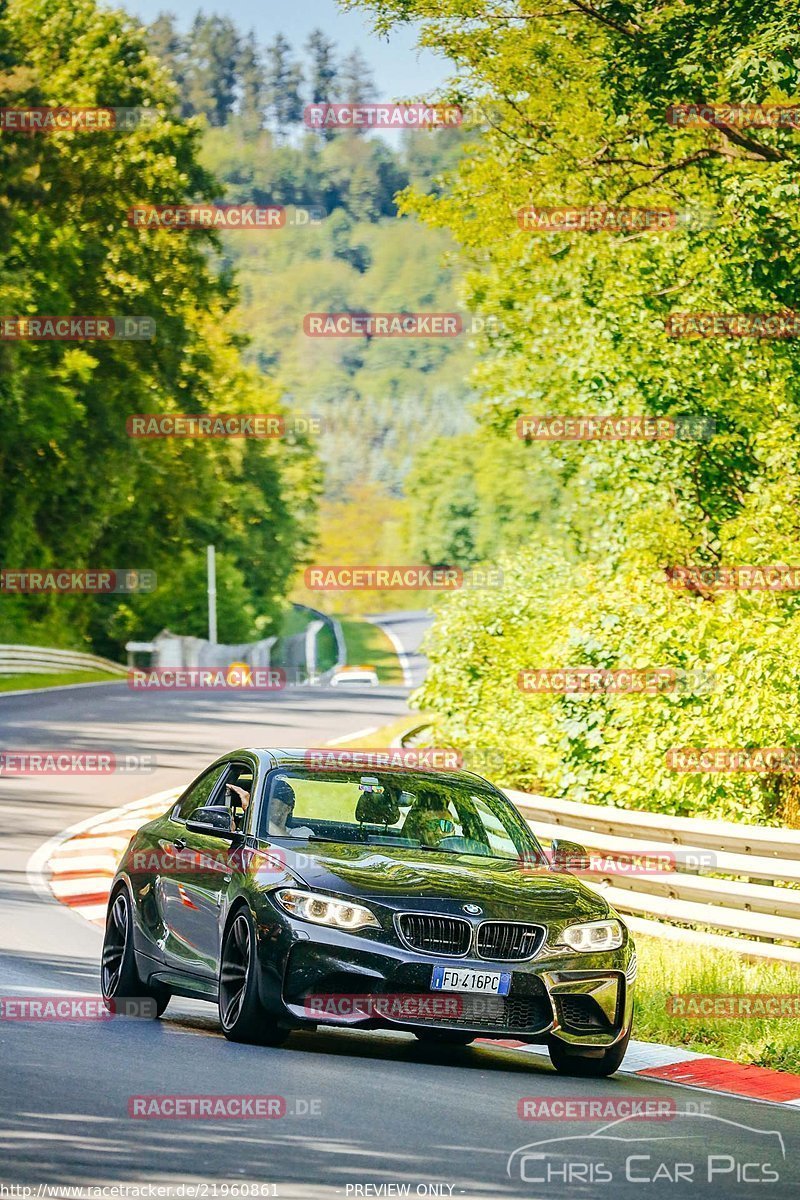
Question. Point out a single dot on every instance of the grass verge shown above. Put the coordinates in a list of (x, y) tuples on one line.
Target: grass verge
[(16, 683), (368, 645), (384, 736), (667, 968)]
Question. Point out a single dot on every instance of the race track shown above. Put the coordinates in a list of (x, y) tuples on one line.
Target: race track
[(365, 1110)]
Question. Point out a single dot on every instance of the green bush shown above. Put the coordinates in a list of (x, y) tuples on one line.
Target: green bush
[(611, 748)]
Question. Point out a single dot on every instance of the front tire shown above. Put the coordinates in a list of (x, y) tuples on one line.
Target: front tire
[(241, 1013), (567, 1062), (124, 993)]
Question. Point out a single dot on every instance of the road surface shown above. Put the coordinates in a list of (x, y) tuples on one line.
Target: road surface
[(406, 630), (368, 1110)]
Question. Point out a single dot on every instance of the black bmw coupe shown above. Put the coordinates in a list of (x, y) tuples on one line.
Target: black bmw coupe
[(294, 896)]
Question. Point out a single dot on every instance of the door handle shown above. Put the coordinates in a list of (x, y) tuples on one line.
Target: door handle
[(179, 844)]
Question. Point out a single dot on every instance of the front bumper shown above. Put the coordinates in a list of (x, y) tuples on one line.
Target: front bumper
[(313, 976)]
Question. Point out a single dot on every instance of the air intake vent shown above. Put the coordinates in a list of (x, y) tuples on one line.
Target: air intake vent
[(581, 1014), (507, 941), (507, 1014), (432, 934)]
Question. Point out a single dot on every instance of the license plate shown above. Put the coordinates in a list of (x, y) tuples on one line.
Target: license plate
[(465, 979)]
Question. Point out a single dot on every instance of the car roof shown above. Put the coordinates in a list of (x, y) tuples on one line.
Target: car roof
[(272, 756)]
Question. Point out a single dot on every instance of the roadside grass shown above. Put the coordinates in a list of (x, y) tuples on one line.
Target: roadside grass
[(15, 683), (368, 645), (672, 968)]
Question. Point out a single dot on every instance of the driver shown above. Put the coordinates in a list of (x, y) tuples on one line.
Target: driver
[(429, 820), (281, 808)]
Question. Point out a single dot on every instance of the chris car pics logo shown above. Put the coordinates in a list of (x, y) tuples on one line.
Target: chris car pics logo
[(693, 1147)]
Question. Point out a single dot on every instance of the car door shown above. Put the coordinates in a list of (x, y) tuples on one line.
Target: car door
[(192, 877)]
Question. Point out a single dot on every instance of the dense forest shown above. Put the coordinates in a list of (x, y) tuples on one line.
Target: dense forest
[(381, 403), (586, 320)]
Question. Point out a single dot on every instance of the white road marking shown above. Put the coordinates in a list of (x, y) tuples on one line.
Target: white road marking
[(351, 737), (405, 664)]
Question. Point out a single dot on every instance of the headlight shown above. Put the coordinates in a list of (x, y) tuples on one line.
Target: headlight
[(324, 910), (596, 935)]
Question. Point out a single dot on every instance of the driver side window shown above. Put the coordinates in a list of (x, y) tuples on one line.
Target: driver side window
[(199, 794)]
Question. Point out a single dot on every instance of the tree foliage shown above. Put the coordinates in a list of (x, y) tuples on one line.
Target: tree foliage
[(573, 105), (75, 489)]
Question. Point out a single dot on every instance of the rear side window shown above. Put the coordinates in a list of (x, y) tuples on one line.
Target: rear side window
[(199, 793)]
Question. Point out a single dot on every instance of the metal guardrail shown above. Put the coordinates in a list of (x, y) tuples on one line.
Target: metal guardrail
[(325, 619), (708, 896), (42, 660)]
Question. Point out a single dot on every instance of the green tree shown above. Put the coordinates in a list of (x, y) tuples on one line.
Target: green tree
[(75, 489), (356, 81), (570, 106), (167, 44), (252, 84), (323, 78), (213, 52), (322, 72), (283, 81)]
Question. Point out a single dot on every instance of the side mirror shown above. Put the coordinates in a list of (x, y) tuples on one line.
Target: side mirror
[(568, 856), (214, 821)]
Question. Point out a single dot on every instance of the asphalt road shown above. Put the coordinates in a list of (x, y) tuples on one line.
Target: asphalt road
[(369, 1114), (407, 629)]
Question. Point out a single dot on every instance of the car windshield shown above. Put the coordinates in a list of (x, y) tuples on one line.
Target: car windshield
[(397, 808)]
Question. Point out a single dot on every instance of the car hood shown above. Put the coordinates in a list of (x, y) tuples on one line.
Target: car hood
[(395, 876)]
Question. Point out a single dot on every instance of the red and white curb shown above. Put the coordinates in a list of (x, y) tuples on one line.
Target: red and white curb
[(77, 868), (672, 1064)]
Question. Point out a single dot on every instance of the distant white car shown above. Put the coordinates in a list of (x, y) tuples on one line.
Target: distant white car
[(355, 677)]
